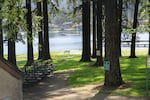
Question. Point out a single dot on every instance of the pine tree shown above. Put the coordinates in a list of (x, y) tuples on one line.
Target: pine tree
[(113, 75), (86, 48)]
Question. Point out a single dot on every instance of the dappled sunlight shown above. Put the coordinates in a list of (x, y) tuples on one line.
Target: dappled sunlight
[(21, 63), (133, 71), (56, 88), (86, 75), (78, 74)]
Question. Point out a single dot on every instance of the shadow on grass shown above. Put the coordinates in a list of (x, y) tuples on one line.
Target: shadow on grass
[(21, 63), (86, 75), (133, 71), (51, 87), (83, 73), (106, 92)]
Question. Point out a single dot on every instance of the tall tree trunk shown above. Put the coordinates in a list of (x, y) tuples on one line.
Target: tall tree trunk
[(149, 32), (99, 61), (11, 45), (133, 41), (11, 51), (1, 40), (113, 75), (40, 34), (30, 58), (94, 28), (120, 4), (46, 31), (86, 47)]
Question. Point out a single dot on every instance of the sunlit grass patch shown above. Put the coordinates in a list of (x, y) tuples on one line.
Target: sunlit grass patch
[(139, 52), (133, 71), (86, 75)]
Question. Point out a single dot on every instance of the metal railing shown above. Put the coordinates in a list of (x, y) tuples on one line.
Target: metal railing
[(141, 43)]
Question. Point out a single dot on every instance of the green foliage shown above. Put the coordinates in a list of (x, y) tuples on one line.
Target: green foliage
[(13, 15), (131, 31), (54, 8), (37, 1), (36, 23), (145, 16)]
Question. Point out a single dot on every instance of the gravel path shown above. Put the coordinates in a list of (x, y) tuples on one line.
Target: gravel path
[(55, 88)]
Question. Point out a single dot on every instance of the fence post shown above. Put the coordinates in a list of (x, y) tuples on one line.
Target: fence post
[(147, 78)]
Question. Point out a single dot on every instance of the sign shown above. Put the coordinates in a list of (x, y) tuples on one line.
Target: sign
[(107, 65), (6, 98), (98, 52), (148, 61)]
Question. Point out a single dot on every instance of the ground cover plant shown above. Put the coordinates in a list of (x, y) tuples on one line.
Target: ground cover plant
[(84, 73)]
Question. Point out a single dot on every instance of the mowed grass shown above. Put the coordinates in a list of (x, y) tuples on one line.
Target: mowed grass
[(83, 73), (133, 73)]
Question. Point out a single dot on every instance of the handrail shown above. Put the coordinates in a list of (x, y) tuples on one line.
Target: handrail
[(137, 41)]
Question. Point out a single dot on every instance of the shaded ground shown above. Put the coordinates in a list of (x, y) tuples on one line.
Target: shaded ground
[(55, 87)]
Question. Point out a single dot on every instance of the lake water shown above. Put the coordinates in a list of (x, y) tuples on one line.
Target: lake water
[(57, 43), (62, 42)]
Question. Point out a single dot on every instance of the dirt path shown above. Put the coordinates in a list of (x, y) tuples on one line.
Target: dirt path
[(55, 88)]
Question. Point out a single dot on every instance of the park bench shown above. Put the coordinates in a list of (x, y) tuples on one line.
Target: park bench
[(35, 73)]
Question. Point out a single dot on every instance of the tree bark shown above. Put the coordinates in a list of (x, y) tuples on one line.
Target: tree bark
[(99, 61), (133, 41), (94, 28), (113, 75), (86, 47), (1, 40), (120, 4), (46, 31), (40, 34), (149, 32), (30, 58), (11, 51)]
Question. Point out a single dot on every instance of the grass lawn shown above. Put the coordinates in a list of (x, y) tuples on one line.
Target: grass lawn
[(133, 71)]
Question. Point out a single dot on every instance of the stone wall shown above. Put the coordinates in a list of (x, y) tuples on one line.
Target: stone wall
[(10, 86)]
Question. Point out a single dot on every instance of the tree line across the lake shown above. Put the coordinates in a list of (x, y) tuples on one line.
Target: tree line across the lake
[(21, 19)]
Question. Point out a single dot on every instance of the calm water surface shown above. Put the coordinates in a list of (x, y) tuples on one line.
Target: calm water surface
[(61, 42), (57, 43)]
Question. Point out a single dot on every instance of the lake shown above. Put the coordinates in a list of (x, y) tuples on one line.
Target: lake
[(57, 43), (62, 42)]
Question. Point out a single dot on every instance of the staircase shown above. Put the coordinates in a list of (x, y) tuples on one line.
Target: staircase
[(35, 73)]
